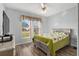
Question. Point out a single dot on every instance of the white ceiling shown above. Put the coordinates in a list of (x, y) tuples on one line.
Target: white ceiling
[(35, 8)]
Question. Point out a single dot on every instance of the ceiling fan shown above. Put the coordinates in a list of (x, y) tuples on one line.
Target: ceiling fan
[(44, 7)]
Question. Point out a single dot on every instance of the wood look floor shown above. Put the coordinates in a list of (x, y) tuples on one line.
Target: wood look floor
[(7, 53), (30, 50)]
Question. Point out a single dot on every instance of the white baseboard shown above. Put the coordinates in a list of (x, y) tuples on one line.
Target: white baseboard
[(73, 45), (23, 43)]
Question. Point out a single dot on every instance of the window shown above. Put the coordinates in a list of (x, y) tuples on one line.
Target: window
[(30, 26), (26, 28)]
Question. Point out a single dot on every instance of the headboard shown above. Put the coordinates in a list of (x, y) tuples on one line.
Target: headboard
[(66, 30)]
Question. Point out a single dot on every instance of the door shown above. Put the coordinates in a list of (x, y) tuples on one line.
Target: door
[(30, 27)]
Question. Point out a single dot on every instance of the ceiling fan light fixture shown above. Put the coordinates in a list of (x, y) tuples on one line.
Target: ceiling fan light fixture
[(44, 7)]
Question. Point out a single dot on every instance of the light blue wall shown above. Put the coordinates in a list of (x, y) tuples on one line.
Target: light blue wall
[(44, 25)]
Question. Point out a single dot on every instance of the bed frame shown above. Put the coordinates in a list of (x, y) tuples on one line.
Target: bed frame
[(46, 44)]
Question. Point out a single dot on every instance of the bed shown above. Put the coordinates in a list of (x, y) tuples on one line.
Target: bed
[(57, 39)]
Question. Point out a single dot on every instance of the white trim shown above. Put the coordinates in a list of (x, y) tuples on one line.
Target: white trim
[(74, 45), (23, 43)]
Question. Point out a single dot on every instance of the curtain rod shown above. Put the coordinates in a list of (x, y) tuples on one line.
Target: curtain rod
[(31, 17)]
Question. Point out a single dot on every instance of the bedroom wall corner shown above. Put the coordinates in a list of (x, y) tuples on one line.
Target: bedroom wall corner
[(66, 19), (1, 17)]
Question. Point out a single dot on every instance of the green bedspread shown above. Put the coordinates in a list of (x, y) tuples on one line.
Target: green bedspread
[(53, 46)]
